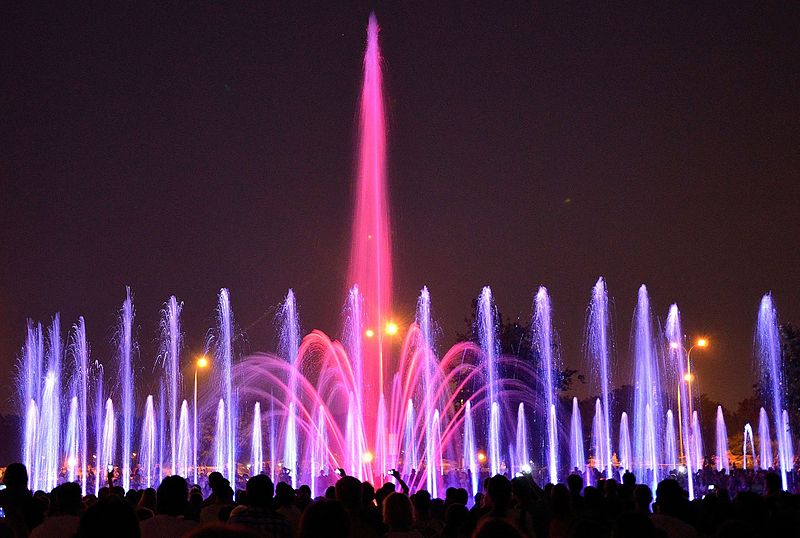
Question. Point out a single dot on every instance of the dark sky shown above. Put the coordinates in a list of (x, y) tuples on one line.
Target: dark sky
[(181, 147)]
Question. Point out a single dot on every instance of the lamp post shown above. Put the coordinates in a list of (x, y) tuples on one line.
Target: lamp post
[(688, 378), (202, 362)]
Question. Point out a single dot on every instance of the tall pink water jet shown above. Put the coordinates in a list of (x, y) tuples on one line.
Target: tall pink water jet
[(370, 251)]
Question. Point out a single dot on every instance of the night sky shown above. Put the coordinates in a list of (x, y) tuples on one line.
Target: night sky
[(182, 147)]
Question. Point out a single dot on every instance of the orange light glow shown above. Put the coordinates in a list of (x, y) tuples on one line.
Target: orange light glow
[(391, 328), (367, 457), (688, 378), (369, 333), (202, 362), (482, 457), (702, 342)]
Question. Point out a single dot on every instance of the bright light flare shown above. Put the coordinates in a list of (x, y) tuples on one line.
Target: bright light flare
[(674, 345), (702, 342), (391, 328), (367, 457), (202, 362), (482, 456), (688, 378), (369, 333)]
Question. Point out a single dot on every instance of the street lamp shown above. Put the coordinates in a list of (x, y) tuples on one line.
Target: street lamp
[(202, 362), (391, 328), (688, 378)]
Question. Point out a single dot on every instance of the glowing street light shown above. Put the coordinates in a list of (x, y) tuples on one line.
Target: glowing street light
[(369, 333), (688, 378), (391, 328), (702, 343), (201, 363)]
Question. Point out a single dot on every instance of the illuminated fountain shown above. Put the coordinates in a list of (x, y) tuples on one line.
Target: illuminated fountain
[(722, 442), (600, 359), (379, 397), (648, 400), (748, 436), (768, 353), (674, 336), (576, 453)]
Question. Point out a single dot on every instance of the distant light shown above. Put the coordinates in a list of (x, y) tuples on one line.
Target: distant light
[(682, 469), (72, 462), (526, 469), (369, 333), (133, 454), (391, 328), (202, 362), (367, 457), (702, 342), (688, 378), (482, 457), (674, 345)]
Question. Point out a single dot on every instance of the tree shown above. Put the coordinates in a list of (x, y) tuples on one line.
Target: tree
[(790, 353), (514, 338)]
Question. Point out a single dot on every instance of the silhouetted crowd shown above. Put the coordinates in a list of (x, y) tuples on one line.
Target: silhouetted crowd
[(505, 507)]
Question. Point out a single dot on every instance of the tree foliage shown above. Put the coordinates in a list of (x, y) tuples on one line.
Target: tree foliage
[(514, 339)]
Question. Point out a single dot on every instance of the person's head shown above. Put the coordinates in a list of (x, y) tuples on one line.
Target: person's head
[(773, 483), (148, 499), (669, 497), (348, 492), (214, 479), (219, 485), (560, 500), (68, 498), (172, 497), (521, 488), (455, 518), (325, 519), (397, 512), (422, 503), (132, 497), (330, 493), (575, 484), (383, 491), (499, 492), (15, 478), (110, 516), (495, 526), (610, 487), (367, 493), (259, 491), (642, 498), (628, 479), (284, 494)]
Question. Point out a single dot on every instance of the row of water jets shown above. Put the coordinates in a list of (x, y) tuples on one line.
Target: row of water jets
[(471, 409)]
